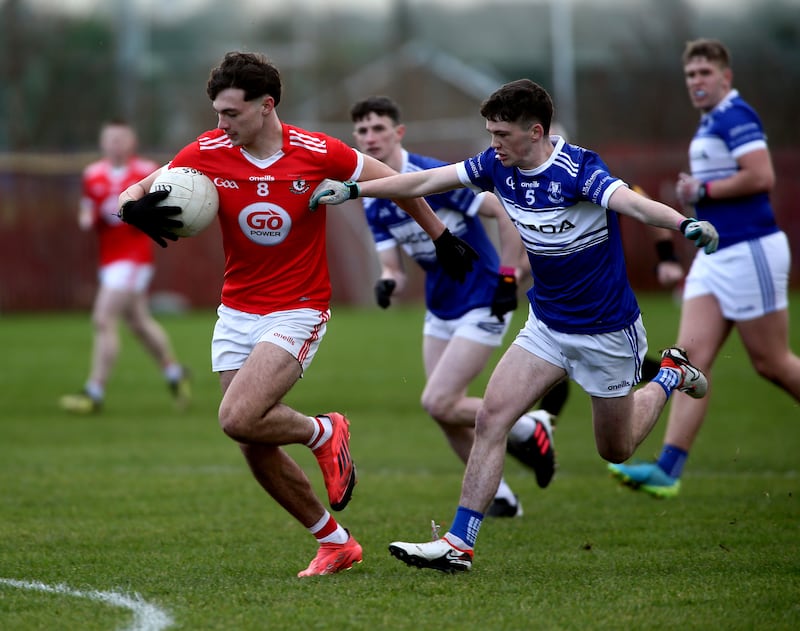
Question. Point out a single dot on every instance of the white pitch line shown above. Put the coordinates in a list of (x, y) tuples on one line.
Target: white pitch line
[(146, 617)]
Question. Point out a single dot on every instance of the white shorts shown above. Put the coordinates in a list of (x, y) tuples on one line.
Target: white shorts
[(126, 276), (748, 279), (605, 365), (298, 331), (477, 325)]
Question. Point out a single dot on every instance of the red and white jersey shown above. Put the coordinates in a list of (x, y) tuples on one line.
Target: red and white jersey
[(102, 185), (275, 253)]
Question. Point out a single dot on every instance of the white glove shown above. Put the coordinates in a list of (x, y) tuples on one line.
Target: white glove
[(333, 192), (703, 233)]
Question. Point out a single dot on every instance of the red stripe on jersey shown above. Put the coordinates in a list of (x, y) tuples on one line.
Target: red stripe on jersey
[(297, 139), (214, 143)]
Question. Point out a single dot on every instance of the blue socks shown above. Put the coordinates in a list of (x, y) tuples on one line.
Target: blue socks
[(668, 378), (672, 460), (466, 525)]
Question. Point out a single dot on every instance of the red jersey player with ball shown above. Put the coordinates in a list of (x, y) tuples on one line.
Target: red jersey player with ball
[(276, 292), (194, 193)]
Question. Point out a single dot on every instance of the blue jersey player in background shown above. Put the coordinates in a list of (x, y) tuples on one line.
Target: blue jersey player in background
[(583, 322), (744, 285), (466, 321)]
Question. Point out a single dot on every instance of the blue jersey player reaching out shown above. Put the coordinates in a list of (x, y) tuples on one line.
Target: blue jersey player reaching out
[(584, 322), (464, 322)]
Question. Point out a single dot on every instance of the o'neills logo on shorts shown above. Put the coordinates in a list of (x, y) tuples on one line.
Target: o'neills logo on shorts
[(285, 338), (619, 386)]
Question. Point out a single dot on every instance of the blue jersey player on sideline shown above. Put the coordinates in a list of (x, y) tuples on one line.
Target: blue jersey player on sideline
[(583, 320), (466, 321), (745, 284)]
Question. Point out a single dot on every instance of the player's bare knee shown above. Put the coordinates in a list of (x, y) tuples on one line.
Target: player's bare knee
[(231, 428), (489, 427), (233, 423), (767, 369), (137, 328), (102, 323), (440, 408)]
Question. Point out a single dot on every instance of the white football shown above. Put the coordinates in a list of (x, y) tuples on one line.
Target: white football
[(194, 193)]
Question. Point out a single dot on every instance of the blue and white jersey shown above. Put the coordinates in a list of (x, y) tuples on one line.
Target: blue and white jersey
[(580, 283), (726, 133), (458, 210)]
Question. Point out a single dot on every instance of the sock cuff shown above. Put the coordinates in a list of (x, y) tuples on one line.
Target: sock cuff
[(466, 525), (672, 459), (668, 379), (322, 432), (322, 523)]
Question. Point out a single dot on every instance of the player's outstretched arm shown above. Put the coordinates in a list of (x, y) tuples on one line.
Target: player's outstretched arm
[(379, 180), (332, 193), (406, 190), (455, 255), (649, 211)]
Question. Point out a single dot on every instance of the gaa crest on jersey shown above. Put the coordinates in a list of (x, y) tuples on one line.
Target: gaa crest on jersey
[(299, 186), (264, 223), (554, 192)]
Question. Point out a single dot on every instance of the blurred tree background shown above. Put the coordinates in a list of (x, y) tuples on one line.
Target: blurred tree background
[(613, 67), (64, 72)]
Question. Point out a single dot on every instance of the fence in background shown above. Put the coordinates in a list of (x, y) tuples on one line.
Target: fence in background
[(46, 263)]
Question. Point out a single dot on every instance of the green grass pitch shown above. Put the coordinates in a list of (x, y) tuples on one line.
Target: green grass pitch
[(142, 500)]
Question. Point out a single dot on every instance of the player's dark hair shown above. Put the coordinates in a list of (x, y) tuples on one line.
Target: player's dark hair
[(523, 102), (712, 49), (250, 72), (379, 105)]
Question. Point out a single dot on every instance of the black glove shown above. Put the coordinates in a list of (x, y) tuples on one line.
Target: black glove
[(383, 291), (505, 296), (666, 251), (454, 255), (154, 220)]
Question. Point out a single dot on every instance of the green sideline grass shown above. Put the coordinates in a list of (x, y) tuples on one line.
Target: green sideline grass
[(143, 500)]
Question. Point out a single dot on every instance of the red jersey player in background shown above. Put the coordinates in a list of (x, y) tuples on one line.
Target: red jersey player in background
[(276, 291), (126, 268)]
